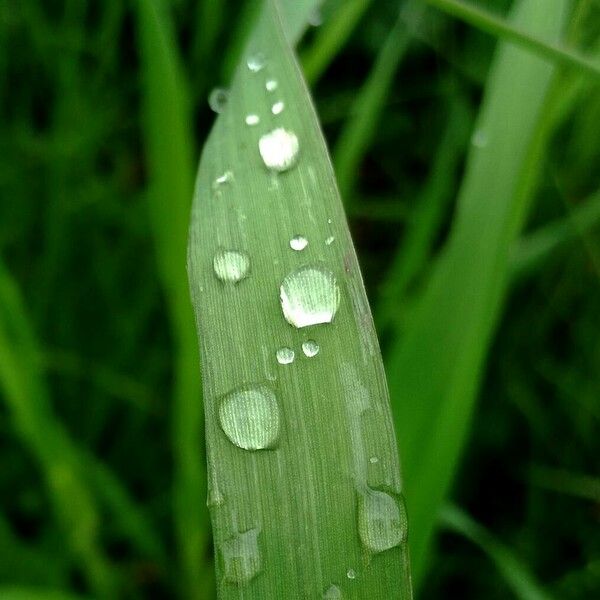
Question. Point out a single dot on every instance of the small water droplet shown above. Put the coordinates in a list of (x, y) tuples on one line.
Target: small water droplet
[(479, 139), (252, 120), (227, 177), (315, 17), (330, 240), (298, 242), (231, 265), (217, 99), (373, 460), (249, 417), (382, 522), (285, 356), (333, 593), (271, 85), (309, 296), (256, 62), (241, 557), (277, 108), (279, 149), (351, 574), (310, 348)]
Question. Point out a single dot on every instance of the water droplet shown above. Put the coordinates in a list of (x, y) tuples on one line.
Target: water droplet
[(310, 348), (330, 240), (285, 356), (241, 557), (277, 108), (217, 99), (373, 460), (309, 296), (252, 120), (298, 242), (271, 85), (231, 265), (227, 177), (250, 417), (315, 17), (351, 574), (256, 62), (479, 139), (333, 593), (382, 522), (279, 149), (329, 221)]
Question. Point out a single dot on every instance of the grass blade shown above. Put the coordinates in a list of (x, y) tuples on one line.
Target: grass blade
[(436, 367), (285, 516), (522, 583), (31, 593), (502, 28)]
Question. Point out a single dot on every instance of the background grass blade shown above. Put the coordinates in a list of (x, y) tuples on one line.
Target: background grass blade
[(169, 155), (31, 593), (283, 513), (435, 368), (522, 583)]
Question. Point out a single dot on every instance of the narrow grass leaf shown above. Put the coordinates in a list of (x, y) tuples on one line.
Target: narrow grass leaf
[(32, 593), (435, 368), (521, 581), (304, 487)]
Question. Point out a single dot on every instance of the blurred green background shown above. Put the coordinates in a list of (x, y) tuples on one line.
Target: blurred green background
[(96, 367)]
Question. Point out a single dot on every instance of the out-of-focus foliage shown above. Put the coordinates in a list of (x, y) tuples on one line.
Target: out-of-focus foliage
[(91, 344)]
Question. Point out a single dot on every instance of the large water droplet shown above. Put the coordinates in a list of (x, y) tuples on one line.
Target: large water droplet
[(279, 149), (241, 557), (309, 296), (333, 593), (382, 522), (256, 62), (252, 119), (277, 108), (310, 348), (298, 242), (250, 417), (231, 265), (217, 99), (271, 85), (285, 356)]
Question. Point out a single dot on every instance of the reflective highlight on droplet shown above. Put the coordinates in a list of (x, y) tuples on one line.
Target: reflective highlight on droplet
[(249, 417), (285, 356), (279, 149), (310, 348), (382, 522), (309, 296), (271, 85), (252, 120), (231, 265), (256, 62), (333, 593), (241, 557), (298, 242), (277, 108), (217, 99)]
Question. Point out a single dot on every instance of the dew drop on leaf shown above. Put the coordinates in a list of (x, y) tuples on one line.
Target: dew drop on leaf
[(231, 265), (277, 108), (310, 348), (256, 62), (333, 593), (351, 574), (249, 417), (252, 119), (382, 522), (271, 85), (309, 296), (298, 242), (241, 557), (217, 99), (285, 356), (279, 149), (330, 240)]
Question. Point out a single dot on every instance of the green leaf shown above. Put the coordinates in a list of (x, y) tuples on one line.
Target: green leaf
[(436, 367), (31, 593), (302, 454)]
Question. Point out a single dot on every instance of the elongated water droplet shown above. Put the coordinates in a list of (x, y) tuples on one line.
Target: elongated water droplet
[(271, 85), (231, 265), (256, 62), (277, 108), (285, 356), (309, 296), (330, 240), (250, 417), (351, 574), (241, 557), (298, 242), (217, 99), (310, 348), (333, 593), (252, 120), (382, 522), (279, 149)]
